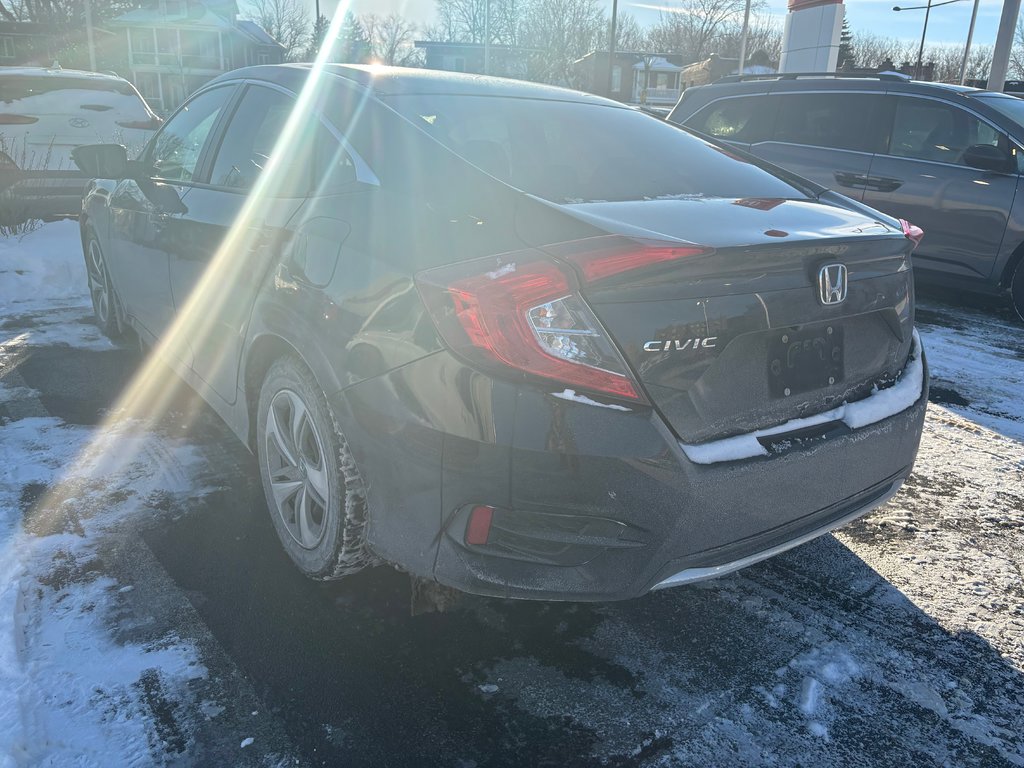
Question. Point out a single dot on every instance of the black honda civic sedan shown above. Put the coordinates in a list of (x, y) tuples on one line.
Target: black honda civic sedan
[(520, 340)]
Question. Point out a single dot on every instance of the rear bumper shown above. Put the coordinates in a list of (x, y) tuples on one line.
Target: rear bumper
[(41, 194), (592, 503)]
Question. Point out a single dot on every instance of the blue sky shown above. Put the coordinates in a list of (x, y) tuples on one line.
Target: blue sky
[(947, 24)]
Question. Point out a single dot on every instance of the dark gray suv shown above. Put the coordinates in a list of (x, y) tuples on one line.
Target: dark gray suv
[(947, 157)]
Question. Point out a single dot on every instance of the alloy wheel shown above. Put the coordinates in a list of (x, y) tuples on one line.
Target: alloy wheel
[(99, 289), (296, 465)]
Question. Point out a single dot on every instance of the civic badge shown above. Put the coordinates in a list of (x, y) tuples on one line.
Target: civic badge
[(832, 284)]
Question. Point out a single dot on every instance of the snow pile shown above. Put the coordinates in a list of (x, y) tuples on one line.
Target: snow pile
[(43, 268), (69, 693)]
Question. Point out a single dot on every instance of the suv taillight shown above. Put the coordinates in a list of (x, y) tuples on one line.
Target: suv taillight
[(142, 125), (524, 313)]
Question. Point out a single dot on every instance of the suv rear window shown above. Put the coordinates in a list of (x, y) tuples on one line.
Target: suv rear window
[(568, 152), (15, 88)]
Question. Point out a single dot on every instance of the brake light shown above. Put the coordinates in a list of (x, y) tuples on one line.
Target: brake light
[(7, 119), (913, 232), (598, 265), (522, 312), (142, 125)]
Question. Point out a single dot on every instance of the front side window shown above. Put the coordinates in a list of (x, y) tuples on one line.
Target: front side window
[(834, 120), (174, 153), (925, 129)]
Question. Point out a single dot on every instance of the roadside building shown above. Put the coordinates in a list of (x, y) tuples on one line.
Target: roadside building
[(503, 60), (636, 77), (176, 46)]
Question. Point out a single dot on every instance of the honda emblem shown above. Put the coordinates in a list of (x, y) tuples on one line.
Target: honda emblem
[(832, 284)]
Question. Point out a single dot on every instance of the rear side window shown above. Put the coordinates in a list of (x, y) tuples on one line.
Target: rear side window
[(925, 129), (744, 118), (834, 120), (569, 152)]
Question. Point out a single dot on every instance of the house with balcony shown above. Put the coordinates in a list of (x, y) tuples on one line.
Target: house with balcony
[(176, 46), (635, 78)]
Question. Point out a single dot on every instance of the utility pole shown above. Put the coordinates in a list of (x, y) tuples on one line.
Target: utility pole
[(487, 37), (88, 35), (967, 48), (1004, 42), (611, 46), (920, 51), (743, 39)]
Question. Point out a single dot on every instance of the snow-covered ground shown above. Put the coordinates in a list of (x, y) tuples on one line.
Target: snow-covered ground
[(70, 693), (909, 625)]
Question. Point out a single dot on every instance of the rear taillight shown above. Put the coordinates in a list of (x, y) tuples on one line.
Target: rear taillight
[(523, 312), (603, 257), (142, 125), (7, 119), (913, 232)]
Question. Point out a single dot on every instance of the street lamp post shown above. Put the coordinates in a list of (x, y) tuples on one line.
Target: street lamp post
[(924, 31)]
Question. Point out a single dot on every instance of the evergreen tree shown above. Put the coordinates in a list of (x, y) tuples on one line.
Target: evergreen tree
[(847, 55), (353, 45)]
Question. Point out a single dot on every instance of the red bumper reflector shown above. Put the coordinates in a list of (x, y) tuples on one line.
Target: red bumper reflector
[(479, 526), (913, 232)]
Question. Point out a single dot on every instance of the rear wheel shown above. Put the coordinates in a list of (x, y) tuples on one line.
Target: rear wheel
[(314, 491), (105, 304), (1017, 289)]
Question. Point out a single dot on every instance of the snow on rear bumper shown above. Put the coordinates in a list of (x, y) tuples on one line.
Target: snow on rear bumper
[(880, 405)]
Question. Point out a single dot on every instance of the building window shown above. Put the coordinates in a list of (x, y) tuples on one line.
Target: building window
[(6, 47), (262, 57), (616, 78)]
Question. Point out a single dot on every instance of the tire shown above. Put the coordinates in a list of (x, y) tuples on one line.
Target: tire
[(106, 306), (315, 493), (1017, 289)]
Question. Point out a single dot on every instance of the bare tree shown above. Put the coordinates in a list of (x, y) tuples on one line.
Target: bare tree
[(694, 26), (287, 21), (391, 38), (465, 21), (562, 31), (629, 35)]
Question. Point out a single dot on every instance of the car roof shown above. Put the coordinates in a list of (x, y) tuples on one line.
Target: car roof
[(393, 81), (73, 74)]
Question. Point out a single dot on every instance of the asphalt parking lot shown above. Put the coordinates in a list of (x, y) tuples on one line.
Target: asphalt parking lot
[(898, 641)]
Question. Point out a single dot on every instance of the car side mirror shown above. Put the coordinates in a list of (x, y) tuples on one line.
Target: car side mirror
[(986, 157), (164, 197), (102, 161)]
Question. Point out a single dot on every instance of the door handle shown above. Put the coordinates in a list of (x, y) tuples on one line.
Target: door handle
[(863, 181)]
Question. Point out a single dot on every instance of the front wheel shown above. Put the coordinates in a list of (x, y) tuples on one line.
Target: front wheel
[(314, 491), (105, 304), (1017, 289)]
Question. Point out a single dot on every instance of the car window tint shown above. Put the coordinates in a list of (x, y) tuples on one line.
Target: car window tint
[(569, 152), (737, 119), (333, 167), (174, 153), (925, 129), (251, 138), (834, 120)]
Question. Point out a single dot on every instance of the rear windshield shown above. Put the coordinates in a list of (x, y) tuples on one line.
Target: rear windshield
[(568, 152), (15, 88)]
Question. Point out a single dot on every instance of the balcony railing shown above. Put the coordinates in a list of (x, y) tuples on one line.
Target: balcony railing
[(661, 95), (173, 61)]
